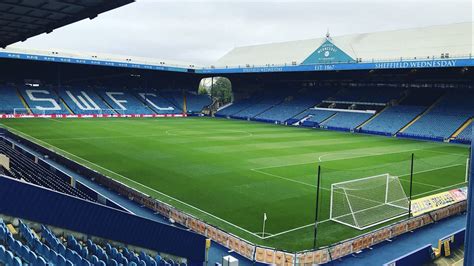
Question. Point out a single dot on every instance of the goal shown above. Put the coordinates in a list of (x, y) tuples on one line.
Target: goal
[(30, 111), (369, 201), (111, 111)]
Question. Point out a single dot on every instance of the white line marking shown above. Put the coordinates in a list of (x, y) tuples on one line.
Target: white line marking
[(354, 157), (209, 134), (311, 185), (133, 181), (108, 137)]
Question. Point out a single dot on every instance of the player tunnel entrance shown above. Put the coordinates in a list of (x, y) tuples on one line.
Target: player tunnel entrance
[(219, 89)]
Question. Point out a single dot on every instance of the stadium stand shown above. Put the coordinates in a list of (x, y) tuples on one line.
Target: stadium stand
[(174, 97), (395, 118), (465, 136), (85, 232), (39, 245), (449, 114), (43, 100), (258, 108), (314, 117), (377, 95), (171, 102), (157, 103), (286, 110), (293, 106), (83, 101), (24, 168), (123, 101), (195, 102), (10, 100), (346, 121), (237, 106), (390, 121)]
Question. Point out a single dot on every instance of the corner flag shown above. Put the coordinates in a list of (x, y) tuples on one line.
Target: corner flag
[(264, 220)]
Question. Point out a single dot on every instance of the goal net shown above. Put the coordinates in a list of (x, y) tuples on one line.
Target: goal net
[(111, 112), (369, 201), (30, 111)]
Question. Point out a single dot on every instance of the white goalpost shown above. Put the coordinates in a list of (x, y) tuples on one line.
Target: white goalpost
[(369, 201), (30, 111), (111, 111)]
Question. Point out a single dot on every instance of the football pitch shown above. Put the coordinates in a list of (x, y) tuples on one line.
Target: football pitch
[(229, 173)]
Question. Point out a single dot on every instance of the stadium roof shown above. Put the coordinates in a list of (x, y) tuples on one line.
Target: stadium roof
[(22, 19), (419, 43)]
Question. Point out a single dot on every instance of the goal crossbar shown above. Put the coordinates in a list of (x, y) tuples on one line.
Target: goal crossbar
[(28, 111)]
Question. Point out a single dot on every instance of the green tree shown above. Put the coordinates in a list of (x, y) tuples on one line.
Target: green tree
[(203, 89), (222, 90)]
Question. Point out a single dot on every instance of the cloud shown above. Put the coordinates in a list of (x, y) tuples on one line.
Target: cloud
[(200, 32)]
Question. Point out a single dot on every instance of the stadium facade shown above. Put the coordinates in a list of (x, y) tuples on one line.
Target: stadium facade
[(414, 83)]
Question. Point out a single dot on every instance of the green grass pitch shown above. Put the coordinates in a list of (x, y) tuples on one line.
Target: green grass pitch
[(230, 172)]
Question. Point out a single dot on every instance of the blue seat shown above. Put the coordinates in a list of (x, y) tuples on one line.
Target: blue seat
[(3, 233), (40, 261), (94, 260), (16, 261), (61, 261), (2, 253), (85, 262), (61, 249), (9, 257)]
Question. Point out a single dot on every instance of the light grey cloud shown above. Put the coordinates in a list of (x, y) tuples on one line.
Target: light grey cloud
[(202, 31)]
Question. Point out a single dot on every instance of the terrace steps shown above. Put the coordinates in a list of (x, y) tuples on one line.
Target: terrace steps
[(329, 118), (106, 103), (144, 103), (372, 117), (302, 120), (461, 129), (66, 106), (170, 101), (271, 107), (23, 101), (420, 115), (246, 107), (62, 101)]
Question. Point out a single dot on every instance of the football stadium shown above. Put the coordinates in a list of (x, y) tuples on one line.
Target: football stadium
[(339, 150)]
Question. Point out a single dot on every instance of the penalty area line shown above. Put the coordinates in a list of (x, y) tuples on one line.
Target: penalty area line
[(137, 183)]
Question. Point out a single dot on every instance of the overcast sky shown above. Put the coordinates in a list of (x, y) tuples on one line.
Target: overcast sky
[(200, 32)]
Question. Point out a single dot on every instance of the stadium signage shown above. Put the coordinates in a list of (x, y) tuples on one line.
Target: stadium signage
[(4, 116), (461, 62), (264, 69), (438, 201), (416, 64), (88, 62), (328, 53), (322, 66)]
